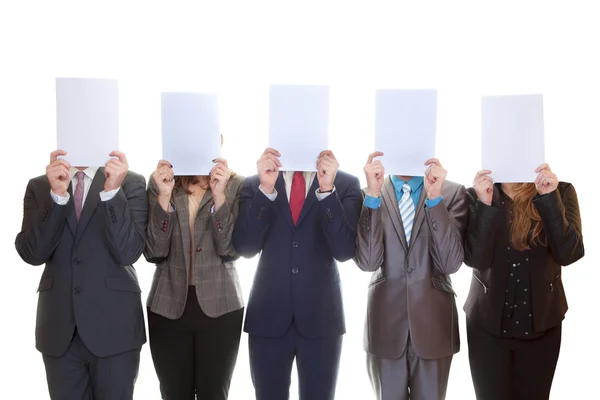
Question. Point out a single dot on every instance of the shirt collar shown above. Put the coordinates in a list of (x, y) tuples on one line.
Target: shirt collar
[(90, 172), (415, 183)]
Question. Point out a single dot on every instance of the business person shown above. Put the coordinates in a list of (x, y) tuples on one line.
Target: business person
[(518, 237), (300, 223), (87, 225), (410, 235), (195, 305)]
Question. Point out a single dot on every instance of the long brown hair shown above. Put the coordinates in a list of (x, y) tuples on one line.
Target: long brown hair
[(526, 228), (182, 182)]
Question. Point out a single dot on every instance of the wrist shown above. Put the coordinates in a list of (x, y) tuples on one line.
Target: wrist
[(374, 193), (325, 188)]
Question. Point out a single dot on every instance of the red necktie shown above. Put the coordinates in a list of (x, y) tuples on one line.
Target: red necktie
[(297, 195)]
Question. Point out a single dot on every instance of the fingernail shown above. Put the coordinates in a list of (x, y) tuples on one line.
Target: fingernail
[(214, 160), (171, 165)]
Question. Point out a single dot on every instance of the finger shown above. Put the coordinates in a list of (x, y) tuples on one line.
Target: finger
[(326, 153), (164, 163), (267, 166), (62, 162), (120, 155), (165, 169), (373, 155), (482, 172), (220, 161), (433, 161), (224, 170), (272, 158), (542, 167), (55, 154), (270, 150)]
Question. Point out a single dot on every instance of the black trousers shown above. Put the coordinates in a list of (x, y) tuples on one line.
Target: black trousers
[(80, 375), (507, 368), (195, 355)]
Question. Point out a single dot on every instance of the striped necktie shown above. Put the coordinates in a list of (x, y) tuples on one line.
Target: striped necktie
[(407, 211)]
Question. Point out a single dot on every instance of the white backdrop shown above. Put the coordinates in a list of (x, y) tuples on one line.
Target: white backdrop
[(464, 49)]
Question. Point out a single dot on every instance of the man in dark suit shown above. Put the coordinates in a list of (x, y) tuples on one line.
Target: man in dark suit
[(88, 226), (300, 224)]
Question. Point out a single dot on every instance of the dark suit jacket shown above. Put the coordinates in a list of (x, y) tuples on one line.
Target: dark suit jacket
[(88, 281), (411, 291), (297, 275), (486, 245)]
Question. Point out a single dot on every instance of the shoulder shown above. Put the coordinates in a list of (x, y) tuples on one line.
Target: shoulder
[(38, 183), (564, 187), (346, 179), (133, 180), (251, 181), (235, 182)]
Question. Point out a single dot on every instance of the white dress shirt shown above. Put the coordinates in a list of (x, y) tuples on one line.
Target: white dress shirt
[(288, 177), (88, 177)]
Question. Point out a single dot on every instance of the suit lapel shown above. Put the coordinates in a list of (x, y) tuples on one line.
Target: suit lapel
[(388, 193), (419, 214), (282, 199), (71, 217), (91, 201), (182, 210), (309, 202)]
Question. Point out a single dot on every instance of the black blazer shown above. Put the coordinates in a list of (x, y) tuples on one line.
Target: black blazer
[(485, 247), (88, 281)]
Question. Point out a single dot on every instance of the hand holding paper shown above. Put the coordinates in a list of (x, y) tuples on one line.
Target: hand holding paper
[(115, 171), (484, 186), (435, 175), (327, 167), (58, 173), (374, 172), (546, 180), (219, 176), (268, 169)]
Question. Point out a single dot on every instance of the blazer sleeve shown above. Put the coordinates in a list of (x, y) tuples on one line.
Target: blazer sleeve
[(369, 251), (340, 213), (482, 232), (223, 222), (43, 224), (562, 224), (447, 224), (254, 221), (126, 218), (159, 229)]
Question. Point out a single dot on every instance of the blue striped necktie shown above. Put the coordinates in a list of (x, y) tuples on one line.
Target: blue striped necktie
[(407, 211)]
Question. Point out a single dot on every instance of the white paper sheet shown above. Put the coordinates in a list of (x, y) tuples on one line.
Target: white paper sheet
[(191, 136), (405, 129), (512, 136), (299, 125), (87, 120)]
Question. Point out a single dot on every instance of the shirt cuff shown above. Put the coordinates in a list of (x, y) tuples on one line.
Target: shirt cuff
[(106, 196), (434, 202), (323, 196), (60, 200), (270, 196), (372, 202)]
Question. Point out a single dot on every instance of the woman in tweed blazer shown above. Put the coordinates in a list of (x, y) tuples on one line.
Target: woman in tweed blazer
[(195, 305)]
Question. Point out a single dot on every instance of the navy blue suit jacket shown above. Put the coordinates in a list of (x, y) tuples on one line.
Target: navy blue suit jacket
[(297, 277)]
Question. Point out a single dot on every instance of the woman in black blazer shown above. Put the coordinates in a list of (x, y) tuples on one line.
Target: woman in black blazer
[(519, 235)]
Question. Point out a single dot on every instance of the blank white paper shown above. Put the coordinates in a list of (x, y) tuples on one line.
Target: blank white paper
[(191, 136), (299, 125), (87, 120), (512, 136), (405, 129)]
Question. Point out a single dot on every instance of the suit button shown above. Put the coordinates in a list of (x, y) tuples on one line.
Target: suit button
[(198, 250), (295, 244), (77, 261), (435, 226), (77, 290), (409, 270), (294, 270)]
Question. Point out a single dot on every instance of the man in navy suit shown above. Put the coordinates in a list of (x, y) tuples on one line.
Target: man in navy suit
[(300, 223)]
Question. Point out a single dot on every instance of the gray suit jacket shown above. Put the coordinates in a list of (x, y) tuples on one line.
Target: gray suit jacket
[(89, 281), (411, 291), (168, 244)]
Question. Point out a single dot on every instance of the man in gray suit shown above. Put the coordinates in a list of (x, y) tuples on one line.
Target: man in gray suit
[(88, 226), (411, 236)]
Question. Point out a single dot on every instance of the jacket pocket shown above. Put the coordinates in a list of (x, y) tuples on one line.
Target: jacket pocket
[(443, 285), (45, 284), (553, 281), (123, 284), (485, 288)]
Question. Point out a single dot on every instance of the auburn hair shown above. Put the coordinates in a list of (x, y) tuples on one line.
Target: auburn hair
[(182, 182), (526, 227)]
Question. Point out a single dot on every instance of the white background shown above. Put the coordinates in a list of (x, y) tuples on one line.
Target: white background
[(462, 49)]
